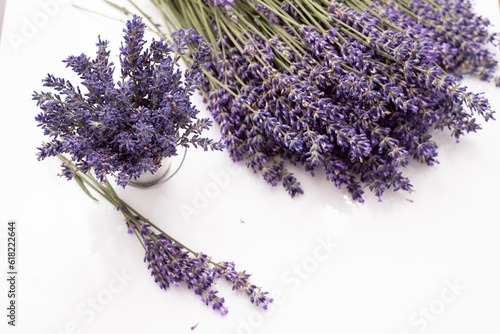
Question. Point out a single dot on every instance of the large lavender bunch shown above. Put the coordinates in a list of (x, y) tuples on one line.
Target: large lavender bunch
[(340, 86), (127, 127), (170, 262)]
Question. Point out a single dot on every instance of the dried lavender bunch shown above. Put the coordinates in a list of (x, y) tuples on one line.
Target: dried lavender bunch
[(126, 128), (170, 261), (329, 86)]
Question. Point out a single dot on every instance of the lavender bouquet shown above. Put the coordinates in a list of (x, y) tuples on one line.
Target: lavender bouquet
[(126, 130), (354, 88), (127, 127)]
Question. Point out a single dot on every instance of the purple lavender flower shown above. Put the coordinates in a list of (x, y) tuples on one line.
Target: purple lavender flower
[(239, 280), (172, 264), (127, 127), (227, 4)]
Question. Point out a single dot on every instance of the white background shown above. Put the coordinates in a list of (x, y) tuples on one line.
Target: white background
[(388, 269)]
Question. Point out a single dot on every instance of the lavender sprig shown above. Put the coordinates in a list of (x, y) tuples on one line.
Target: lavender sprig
[(171, 262), (126, 128)]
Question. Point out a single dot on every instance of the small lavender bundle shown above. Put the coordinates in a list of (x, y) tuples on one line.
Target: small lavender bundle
[(125, 128), (352, 88), (171, 262)]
